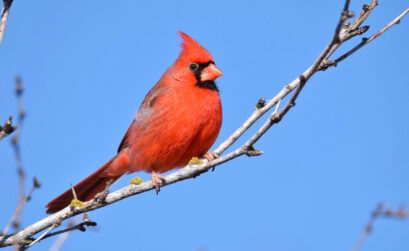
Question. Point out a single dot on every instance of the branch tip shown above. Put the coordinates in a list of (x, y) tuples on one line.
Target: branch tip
[(36, 183), (356, 32), (7, 128), (74, 194), (380, 211)]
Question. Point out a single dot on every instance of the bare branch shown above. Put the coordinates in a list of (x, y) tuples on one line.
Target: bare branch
[(17, 152), (86, 222), (366, 10), (20, 206), (56, 224), (330, 48), (4, 18), (15, 220), (381, 211), (59, 242), (365, 41)]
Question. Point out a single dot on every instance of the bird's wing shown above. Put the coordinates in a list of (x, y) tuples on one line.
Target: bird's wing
[(146, 111)]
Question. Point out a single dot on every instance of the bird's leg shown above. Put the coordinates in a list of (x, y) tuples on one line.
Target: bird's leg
[(210, 156), (157, 180)]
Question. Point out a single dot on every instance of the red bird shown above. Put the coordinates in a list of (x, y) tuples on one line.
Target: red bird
[(179, 118)]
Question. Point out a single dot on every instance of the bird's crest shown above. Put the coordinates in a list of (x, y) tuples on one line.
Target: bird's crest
[(192, 50)]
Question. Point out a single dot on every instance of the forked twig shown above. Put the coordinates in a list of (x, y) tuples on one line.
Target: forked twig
[(381, 211)]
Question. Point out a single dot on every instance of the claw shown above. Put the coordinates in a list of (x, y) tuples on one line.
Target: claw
[(157, 180), (210, 156)]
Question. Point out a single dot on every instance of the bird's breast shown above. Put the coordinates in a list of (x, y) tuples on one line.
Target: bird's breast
[(183, 124)]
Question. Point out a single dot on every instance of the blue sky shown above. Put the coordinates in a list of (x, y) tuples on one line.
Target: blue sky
[(87, 65)]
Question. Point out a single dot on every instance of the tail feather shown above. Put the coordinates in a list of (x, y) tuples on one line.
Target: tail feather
[(85, 190)]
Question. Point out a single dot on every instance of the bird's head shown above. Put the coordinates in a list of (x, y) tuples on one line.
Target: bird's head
[(195, 64)]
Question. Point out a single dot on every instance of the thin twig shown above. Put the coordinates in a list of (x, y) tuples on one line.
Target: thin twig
[(366, 10), (59, 242), (18, 210), (329, 49), (379, 212), (365, 41), (17, 152), (44, 234), (277, 106), (86, 222), (81, 227), (4, 17)]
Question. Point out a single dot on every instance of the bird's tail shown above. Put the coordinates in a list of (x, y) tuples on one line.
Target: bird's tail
[(85, 190)]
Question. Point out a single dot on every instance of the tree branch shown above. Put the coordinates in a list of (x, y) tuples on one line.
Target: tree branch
[(58, 243), (4, 17), (17, 152), (15, 220), (355, 30), (343, 33), (379, 212), (366, 41), (20, 206), (86, 222)]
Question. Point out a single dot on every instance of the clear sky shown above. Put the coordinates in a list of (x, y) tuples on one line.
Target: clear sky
[(87, 65)]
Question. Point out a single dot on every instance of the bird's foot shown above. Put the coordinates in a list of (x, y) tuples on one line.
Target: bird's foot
[(157, 180), (210, 156)]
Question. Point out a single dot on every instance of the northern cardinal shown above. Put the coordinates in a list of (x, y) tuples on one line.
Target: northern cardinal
[(179, 118)]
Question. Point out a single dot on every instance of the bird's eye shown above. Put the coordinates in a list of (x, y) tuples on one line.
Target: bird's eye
[(194, 67)]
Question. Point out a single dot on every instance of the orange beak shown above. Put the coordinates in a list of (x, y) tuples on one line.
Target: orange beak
[(210, 73)]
